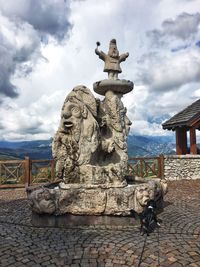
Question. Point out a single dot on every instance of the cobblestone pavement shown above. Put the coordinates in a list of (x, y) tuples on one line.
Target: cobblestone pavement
[(176, 244)]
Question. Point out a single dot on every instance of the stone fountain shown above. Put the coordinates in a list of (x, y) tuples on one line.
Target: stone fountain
[(90, 151)]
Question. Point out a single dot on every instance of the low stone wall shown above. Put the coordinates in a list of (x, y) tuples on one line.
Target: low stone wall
[(182, 167)]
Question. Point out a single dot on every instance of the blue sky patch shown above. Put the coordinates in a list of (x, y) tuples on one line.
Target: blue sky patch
[(178, 48), (198, 44)]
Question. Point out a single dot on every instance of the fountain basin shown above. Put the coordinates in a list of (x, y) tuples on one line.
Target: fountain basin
[(117, 86), (62, 204)]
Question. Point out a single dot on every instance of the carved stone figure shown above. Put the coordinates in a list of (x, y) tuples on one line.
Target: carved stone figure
[(112, 59), (142, 195), (159, 190), (90, 150), (90, 144), (44, 200), (114, 130), (77, 138)]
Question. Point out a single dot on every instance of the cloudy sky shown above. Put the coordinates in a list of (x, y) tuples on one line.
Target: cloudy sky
[(47, 48)]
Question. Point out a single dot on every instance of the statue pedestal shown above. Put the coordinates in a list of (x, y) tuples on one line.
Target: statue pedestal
[(70, 220), (95, 200), (91, 204)]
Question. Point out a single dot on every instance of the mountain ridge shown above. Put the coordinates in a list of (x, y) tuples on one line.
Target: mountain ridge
[(41, 149)]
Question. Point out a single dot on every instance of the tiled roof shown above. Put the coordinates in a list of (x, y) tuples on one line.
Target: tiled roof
[(185, 117)]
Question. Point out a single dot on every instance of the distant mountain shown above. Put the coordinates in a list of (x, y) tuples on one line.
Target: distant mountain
[(150, 145), (25, 144), (41, 149)]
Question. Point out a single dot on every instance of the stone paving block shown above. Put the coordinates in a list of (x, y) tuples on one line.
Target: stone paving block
[(179, 237), (194, 264), (108, 264)]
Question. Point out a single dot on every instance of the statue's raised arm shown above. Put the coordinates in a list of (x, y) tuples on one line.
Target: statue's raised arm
[(123, 57), (112, 59), (101, 54)]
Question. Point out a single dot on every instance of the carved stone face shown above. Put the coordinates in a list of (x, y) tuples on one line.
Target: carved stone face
[(157, 189), (113, 51), (142, 195), (71, 115), (43, 201), (71, 119)]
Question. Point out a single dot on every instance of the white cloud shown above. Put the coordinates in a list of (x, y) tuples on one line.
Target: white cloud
[(24, 24), (184, 26), (143, 127), (42, 66), (46, 16), (172, 70), (38, 121)]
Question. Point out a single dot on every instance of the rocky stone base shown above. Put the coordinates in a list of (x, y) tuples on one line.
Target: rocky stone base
[(69, 220), (92, 200)]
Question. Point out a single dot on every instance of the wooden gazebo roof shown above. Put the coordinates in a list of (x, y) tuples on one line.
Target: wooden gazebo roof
[(188, 117)]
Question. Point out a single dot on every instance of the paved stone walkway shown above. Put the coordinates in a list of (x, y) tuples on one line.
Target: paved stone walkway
[(176, 244)]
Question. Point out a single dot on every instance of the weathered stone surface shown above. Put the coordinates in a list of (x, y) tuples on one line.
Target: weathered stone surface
[(43, 200), (90, 144), (77, 139), (120, 200), (143, 193), (82, 201), (158, 189), (182, 167), (95, 200), (70, 220)]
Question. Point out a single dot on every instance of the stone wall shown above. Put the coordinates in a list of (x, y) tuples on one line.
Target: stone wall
[(182, 167)]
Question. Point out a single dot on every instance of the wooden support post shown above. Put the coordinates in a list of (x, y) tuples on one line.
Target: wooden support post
[(193, 145), (181, 141), (184, 143), (27, 171)]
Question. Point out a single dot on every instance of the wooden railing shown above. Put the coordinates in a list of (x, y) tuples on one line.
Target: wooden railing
[(146, 166), (20, 173), (12, 172), (42, 171)]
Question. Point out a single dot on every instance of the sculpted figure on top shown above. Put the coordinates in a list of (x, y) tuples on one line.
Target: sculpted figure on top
[(112, 59)]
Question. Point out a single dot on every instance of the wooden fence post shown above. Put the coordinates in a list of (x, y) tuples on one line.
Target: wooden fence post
[(161, 166), (27, 171)]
